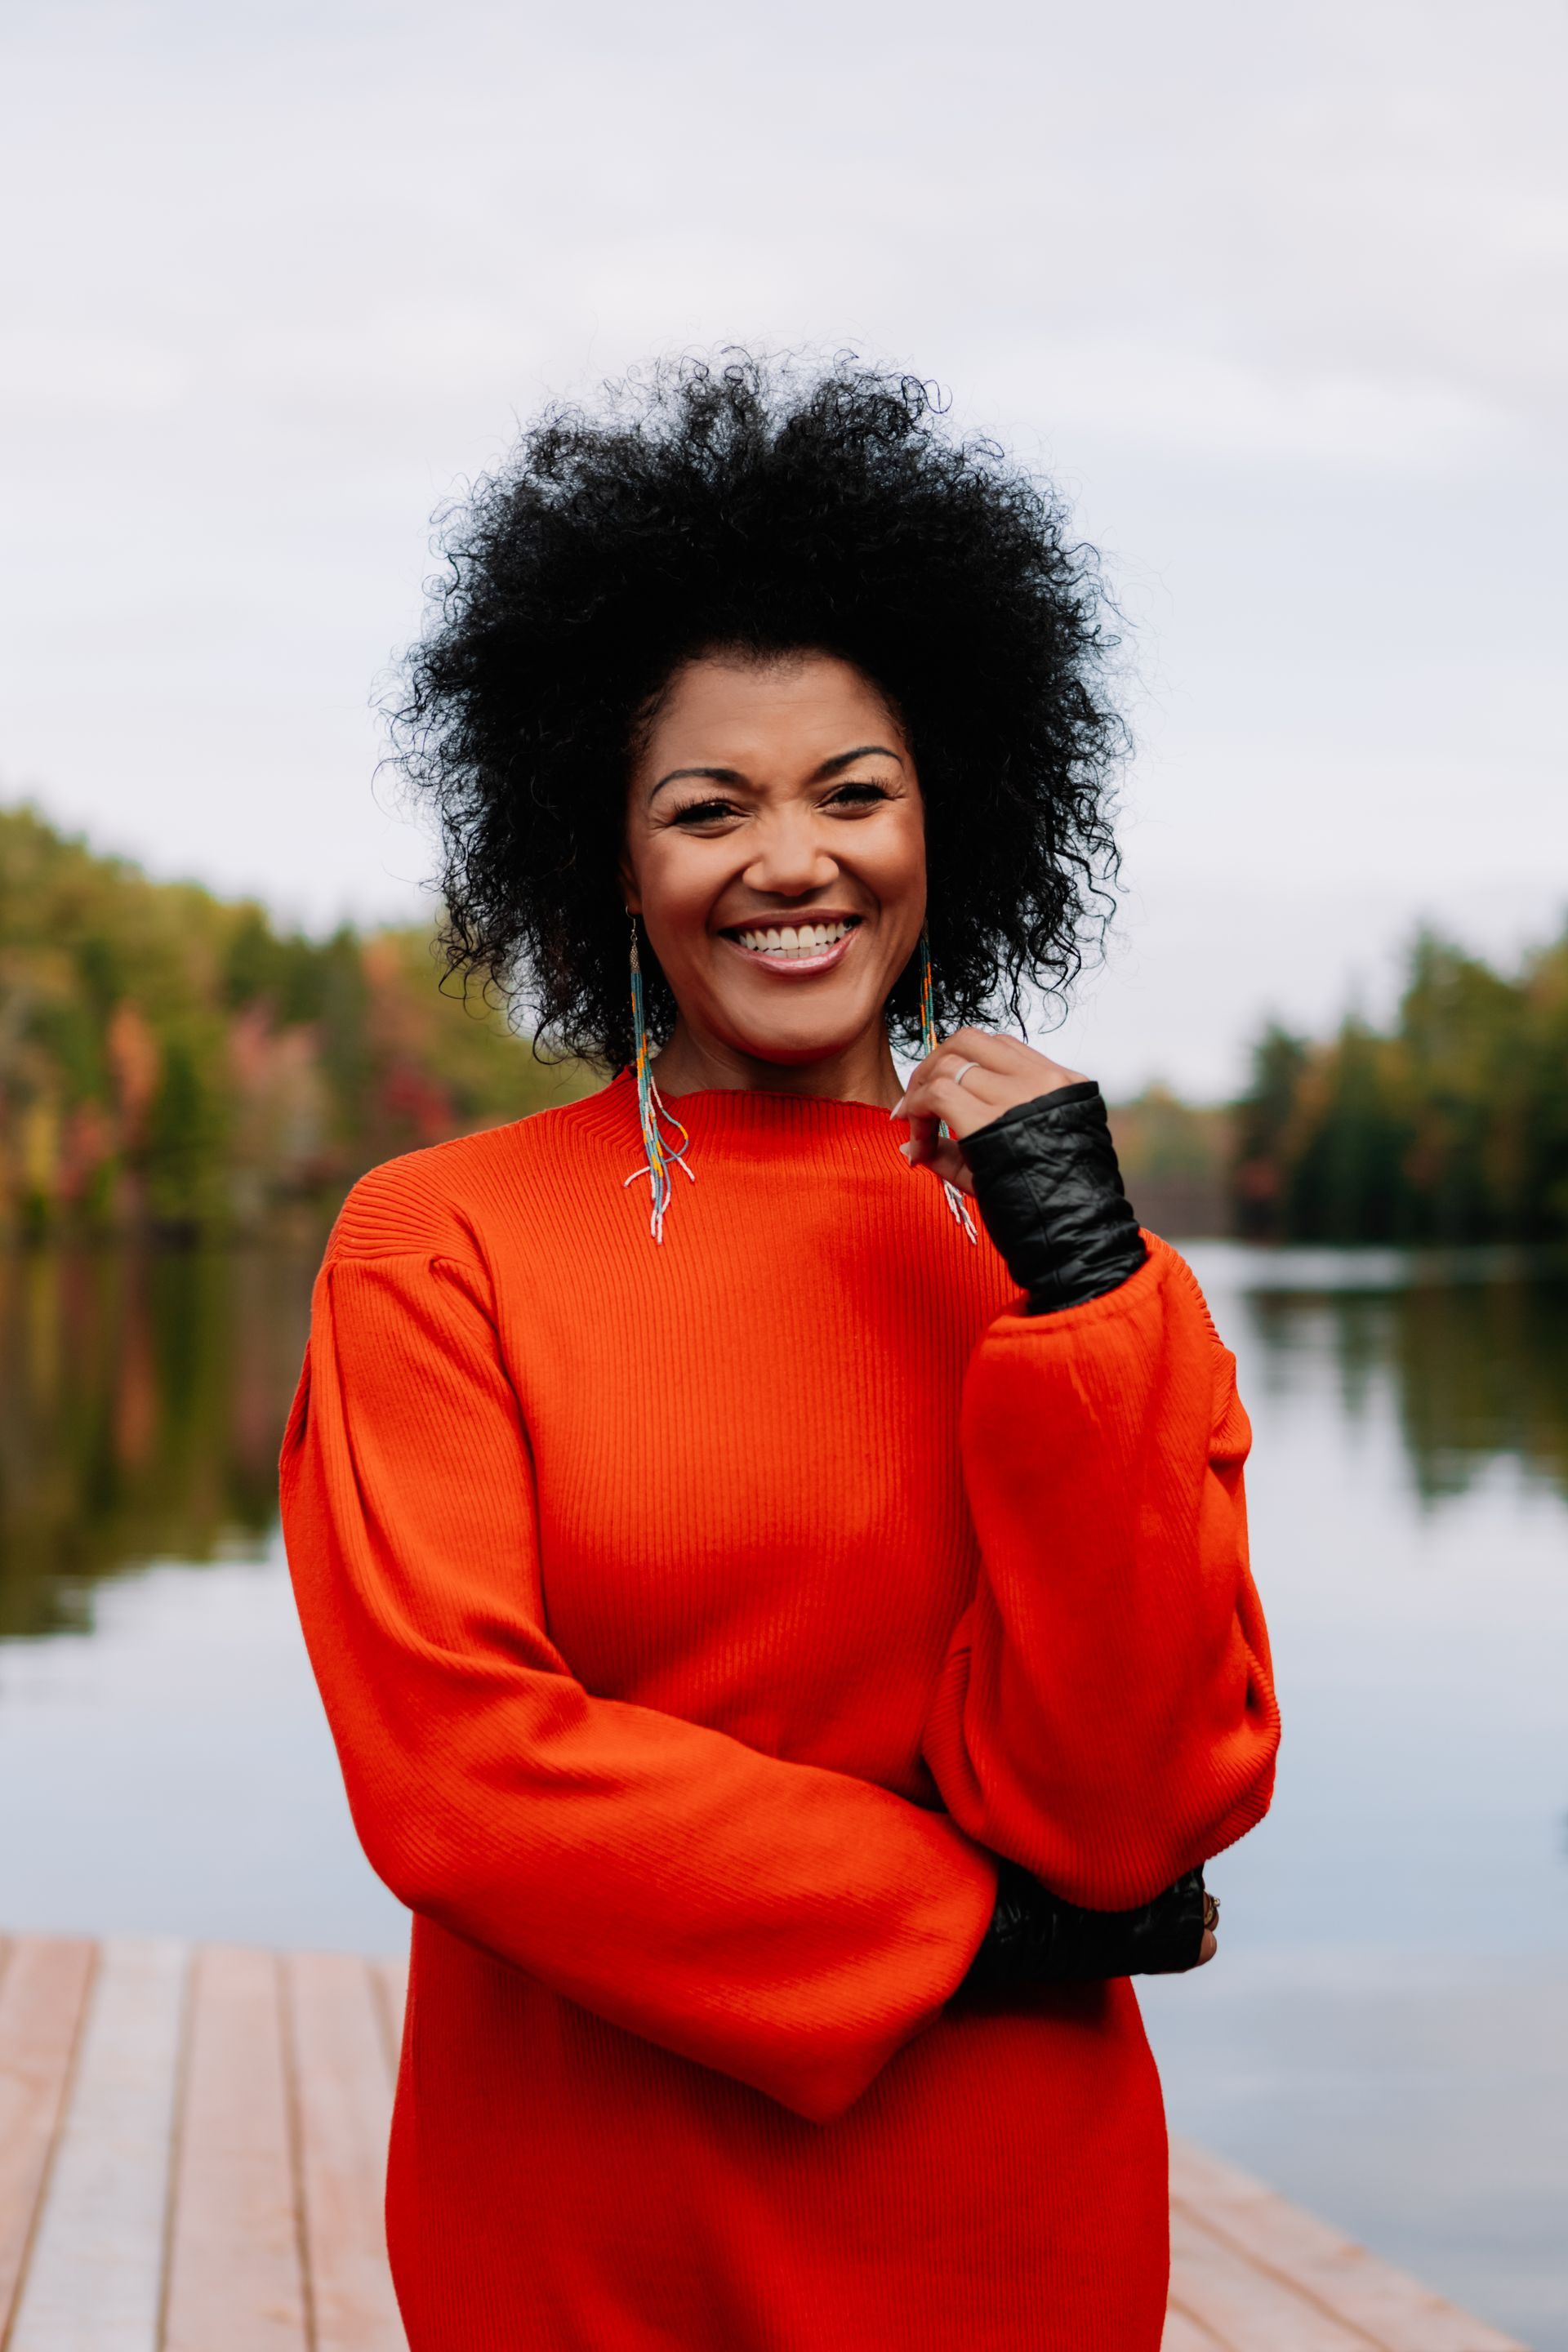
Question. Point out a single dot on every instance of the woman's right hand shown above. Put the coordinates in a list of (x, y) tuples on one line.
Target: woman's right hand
[(1038, 1939)]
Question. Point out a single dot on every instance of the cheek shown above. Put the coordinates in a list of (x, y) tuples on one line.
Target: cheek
[(900, 862), (677, 889)]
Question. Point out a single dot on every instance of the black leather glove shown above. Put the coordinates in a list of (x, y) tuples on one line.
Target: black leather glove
[(1038, 1939), (1047, 1185)]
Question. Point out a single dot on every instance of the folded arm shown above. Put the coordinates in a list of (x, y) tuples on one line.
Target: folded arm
[(789, 1925)]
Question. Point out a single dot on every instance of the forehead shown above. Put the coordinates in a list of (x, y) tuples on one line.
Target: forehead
[(766, 718)]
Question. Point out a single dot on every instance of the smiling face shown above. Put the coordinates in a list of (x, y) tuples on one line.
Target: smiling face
[(776, 851)]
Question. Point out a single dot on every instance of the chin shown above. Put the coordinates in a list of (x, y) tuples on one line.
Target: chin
[(793, 1052), (793, 1045)]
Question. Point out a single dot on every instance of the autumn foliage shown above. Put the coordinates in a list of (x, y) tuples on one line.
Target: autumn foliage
[(173, 1063)]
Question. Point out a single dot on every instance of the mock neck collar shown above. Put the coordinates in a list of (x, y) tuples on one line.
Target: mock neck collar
[(758, 1121)]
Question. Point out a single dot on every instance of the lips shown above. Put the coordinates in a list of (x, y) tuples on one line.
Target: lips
[(799, 951)]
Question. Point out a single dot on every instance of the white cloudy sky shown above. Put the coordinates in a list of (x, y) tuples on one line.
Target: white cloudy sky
[(1277, 294)]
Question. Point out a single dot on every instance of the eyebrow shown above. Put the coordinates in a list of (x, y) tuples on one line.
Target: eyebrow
[(819, 775)]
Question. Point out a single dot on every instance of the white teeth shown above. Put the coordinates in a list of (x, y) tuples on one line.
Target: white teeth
[(794, 939)]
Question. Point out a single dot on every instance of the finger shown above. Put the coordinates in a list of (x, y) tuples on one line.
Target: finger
[(925, 1135), (976, 1053), (1207, 1948), (984, 1086), (944, 1160), (963, 1106), (1009, 1056), (1000, 1070), (992, 1047)]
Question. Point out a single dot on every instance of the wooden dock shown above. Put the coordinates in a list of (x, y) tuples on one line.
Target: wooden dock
[(191, 2149)]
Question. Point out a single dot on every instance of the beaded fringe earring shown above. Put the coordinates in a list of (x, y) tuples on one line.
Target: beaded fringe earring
[(658, 1158), (929, 1041)]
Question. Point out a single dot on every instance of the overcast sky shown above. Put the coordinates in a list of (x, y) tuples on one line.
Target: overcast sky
[(1277, 295)]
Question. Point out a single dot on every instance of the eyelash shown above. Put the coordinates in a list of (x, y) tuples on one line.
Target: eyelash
[(701, 813), (861, 794)]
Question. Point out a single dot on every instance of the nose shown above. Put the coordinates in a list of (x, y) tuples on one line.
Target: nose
[(790, 857)]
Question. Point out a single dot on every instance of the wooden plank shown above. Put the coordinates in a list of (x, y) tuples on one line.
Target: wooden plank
[(1392, 2310), (1184, 2335), (392, 1983), (394, 1978), (1246, 2307), (43, 1993), (236, 2278), (342, 2096), (275, 2151), (94, 2280)]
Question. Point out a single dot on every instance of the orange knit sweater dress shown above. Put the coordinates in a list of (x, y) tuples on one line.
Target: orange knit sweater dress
[(695, 1621)]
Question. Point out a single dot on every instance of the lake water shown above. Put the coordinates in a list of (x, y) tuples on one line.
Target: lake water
[(1385, 2034)]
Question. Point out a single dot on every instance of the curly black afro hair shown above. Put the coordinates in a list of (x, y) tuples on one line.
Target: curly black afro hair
[(747, 505)]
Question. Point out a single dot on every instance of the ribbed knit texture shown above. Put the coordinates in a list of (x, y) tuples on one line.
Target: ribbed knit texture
[(691, 1620)]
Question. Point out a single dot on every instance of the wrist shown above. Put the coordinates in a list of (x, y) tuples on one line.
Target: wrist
[(1048, 1188), (1039, 1939)]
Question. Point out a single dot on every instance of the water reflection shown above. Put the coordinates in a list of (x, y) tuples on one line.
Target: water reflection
[(142, 1395), (141, 1400), (1479, 1368)]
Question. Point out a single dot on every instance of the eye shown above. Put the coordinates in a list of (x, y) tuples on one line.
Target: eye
[(701, 813), (860, 792)]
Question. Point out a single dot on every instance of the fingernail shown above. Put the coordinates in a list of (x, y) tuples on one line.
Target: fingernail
[(897, 1109)]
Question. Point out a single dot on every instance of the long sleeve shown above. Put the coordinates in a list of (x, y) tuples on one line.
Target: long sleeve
[(789, 1925), (1106, 1716)]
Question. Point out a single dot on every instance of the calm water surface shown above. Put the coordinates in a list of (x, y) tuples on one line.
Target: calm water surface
[(1386, 2034)]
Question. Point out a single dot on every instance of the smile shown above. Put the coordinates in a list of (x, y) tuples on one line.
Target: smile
[(796, 943)]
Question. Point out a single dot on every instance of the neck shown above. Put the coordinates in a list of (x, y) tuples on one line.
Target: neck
[(861, 1072)]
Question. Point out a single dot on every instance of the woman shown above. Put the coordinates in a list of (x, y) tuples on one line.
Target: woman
[(755, 1595)]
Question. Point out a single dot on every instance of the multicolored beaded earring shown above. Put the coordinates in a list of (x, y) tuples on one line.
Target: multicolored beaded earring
[(929, 1043), (658, 1158)]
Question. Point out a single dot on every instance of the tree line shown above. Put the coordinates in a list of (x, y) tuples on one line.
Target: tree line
[(175, 1063), (1449, 1125)]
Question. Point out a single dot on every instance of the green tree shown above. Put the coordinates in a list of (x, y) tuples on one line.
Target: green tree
[(1451, 1126)]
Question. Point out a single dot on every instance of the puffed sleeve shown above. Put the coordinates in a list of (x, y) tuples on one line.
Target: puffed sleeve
[(1106, 1716), (789, 1925)]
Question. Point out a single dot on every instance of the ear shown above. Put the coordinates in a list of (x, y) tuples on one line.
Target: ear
[(626, 877)]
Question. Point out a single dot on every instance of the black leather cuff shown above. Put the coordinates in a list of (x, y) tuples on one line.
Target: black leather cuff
[(1038, 1939), (1050, 1190)]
